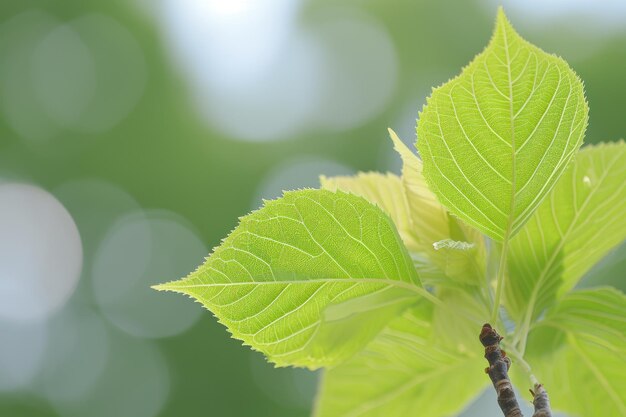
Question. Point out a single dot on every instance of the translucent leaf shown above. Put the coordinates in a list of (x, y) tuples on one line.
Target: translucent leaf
[(297, 279), (495, 139), (584, 375), (432, 223), (578, 224), (461, 312), (598, 314), (403, 372), (384, 190)]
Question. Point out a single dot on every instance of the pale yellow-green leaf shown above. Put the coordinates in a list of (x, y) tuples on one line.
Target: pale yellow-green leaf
[(460, 316), (495, 139), (433, 224), (579, 353), (405, 371), (598, 314)]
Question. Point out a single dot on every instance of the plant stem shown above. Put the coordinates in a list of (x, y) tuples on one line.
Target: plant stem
[(499, 281), (430, 297), (541, 402), (515, 354), (523, 334), (498, 370)]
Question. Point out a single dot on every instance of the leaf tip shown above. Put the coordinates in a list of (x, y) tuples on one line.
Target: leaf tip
[(500, 14), (160, 287), (400, 146), (325, 182), (503, 24), (397, 142), (501, 18), (167, 286)]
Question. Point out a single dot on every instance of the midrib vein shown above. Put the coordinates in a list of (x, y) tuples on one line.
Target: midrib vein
[(513, 150), (395, 283), (507, 233)]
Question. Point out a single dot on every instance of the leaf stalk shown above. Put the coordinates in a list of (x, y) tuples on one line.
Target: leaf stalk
[(499, 281)]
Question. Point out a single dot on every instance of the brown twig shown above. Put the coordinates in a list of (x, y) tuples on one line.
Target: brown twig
[(498, 369), (541, 402)]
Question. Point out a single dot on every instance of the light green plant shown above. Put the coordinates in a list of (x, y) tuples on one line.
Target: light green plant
[(385, 280)]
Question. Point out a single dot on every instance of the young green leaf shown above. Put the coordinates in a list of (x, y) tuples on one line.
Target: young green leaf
[(462, 311), (297, 278), (387, 192), (495, 139), (598, 314), (384, 190), (403, 372), (579, 223), (433, 224), (585, 372)]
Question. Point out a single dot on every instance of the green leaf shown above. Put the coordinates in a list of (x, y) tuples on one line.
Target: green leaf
[(297, 279), (598, 314), (495, 139), (578, 224), (405, 371), (384, 190), (420, 197), (456, 319), (585, 375), (432, 224)]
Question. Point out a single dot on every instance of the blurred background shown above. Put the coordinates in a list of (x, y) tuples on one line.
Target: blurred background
[(133, 133)]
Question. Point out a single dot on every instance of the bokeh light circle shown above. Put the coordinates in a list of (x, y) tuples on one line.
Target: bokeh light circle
[(256, 75), (298, 172), (290, 387), (359, 68), (63, 75), (135, 383), (609, 14), (19, 104), (40, 253), (140, 250), (121, 71), (22, 353), (251, 76), (84, 75), (77, 354), (95, 205), (278, 105)]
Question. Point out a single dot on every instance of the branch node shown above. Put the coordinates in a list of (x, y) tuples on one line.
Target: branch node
[(507, 360), (541, 402), (499, 365)]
